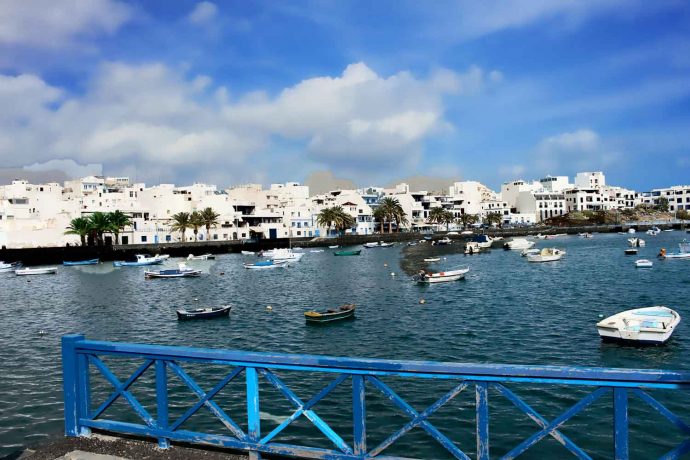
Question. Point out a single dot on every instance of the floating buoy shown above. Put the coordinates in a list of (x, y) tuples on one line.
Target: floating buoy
[(269, 308), (422, 301), (222, 273), (385, 264), (392, 273), (445, 258), (601, 316), (196, 299), (41, 332)]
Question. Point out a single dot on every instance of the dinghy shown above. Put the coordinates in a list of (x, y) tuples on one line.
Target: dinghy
[(81, 262), (36, 271), (440, 277), (266, 265), (518, 244), (643, 263), (527, 252), (201, 257), (472, 247), (640, 326), (377, 244), (546, 255), (683, 252), (181, 272), (432, 259), (247, 253), (630, 252), (333, 314), (285, 255), (142, 260), (204, 313), (315, 251), (636, 242), (347, 253), (335, 246), (9, 267)]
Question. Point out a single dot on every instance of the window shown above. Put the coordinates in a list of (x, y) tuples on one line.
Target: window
[(168, 238), (143, 238), (299, 233), (215, 236)]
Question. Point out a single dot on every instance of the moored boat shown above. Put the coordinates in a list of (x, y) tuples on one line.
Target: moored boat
[(643, 263), (546, 255), (432, 259), (636, 242), (527, 252), (640, 326), (442, 242), (333, 314), (142, 260), (9, 267), (247, 253), (518, 244), (204, 313), (265, 265), (472, 247), (36, 271), (348, 253), (81, 262), (315, 251), (335, 246), (483, 241), (201, 257), (285, 255), (630, 252), (440, 277), (181, 272)]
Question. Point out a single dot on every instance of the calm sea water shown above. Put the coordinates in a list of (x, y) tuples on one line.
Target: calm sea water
[(506, 311)]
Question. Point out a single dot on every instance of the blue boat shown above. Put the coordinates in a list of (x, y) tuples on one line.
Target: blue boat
[(82, 262), (141, 261), (182, 272)]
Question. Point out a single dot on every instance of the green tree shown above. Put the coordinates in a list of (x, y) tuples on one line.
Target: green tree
[(99, 225), (663, 204), (325, 219), (467, 219), (436, 216), (380, 215), (181, 222), (79, 226), (210, 218), (118, 221), (447, 218), (195, 221), (683, 214), (493, 218), (393, 212), (342, 220)]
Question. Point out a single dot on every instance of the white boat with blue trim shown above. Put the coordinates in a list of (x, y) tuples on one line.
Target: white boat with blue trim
[(36, 271), (640, 326)]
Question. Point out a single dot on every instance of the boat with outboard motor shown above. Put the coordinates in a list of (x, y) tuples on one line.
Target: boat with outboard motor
[(182, 271), (142, 260), (36, 271), (440, 277), (518, 244), (546, 255)]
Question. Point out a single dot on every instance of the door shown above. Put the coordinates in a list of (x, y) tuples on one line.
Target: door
[(272, 233)]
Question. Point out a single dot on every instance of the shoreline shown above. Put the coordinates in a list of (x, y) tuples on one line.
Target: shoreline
[(56, 255)]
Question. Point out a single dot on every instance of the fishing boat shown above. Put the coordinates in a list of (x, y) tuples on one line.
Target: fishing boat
[(142, 260), (443, 241), (10, 267), (247, 253), (335, 246), (640, 326), (285, 255), (585, 235), (36, 271), (546, 255), (440, 277), (472, 247), (518, 244), (163, 256), (432, 259), (347, 253), (631, 230), (265, 265), (204, 313), (630, 252), (332, 314), (653, 231), (181, 272), (81, 262), (483, 241), (201, 257), (527, 252), (636, 242), (643, 263)]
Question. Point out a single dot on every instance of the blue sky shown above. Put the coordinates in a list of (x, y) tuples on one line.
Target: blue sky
[(237, 91)]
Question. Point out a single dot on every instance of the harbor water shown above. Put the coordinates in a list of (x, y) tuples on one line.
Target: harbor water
[(506, 311)]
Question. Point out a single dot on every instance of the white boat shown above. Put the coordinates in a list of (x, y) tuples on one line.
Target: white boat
[(9, 267), (526, 252), (585, 235), (432, 259), (36, 271), (653, 231), (201, 257), (265, 265), (553, 237), (644, 263), (377, 244), (636, 242), (683, 252), (440, 277), (142, 260), (650, 326), (546, 255), (335, 246), (484, 241), (518, 244), (668, 230), (631, 230), (247, 253), (442, 241), (181, 272), (472, 247), (315, 251), (467, 233), (163, 256)]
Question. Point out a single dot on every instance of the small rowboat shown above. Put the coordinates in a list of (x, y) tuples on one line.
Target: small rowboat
[(644, 263), (335, 246), (630, 252), (546, 255), (347, 253), (204, 313), (641, 326), (182, 272), (36, 271), (9, 267), (81, 262), (432, 259), (440, 277), (334, 314), (201, 257), (247, 253), (266, 265)]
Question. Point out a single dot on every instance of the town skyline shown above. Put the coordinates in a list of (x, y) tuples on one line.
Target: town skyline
[(228, 92)]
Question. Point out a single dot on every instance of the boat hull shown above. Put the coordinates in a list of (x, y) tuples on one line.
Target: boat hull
[(81, 262), (36, 271), (614, 336), (186, 274), (347, 253), (314, 317), (640, 326), (203, 313)]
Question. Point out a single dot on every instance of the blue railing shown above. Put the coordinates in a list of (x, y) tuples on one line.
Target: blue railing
[(81, 357)]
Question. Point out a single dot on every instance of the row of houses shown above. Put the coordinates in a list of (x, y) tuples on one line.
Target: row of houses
[(33, 215)]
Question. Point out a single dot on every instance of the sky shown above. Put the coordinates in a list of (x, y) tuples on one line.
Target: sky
[(232, 92)]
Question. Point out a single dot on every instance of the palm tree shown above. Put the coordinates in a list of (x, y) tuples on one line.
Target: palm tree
[(180, 223), (118, 221), (380, 215), (400, 216), (341, 219), (99, 224), (325, 218), (493, 218), (79, 226), (210, 218), (196, 221), (393, 211), (436, 216), (447, 218), (467, 220)]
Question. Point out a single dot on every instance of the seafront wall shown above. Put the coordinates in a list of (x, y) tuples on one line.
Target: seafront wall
[(56, 255)]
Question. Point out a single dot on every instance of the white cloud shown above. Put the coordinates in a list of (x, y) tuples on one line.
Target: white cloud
[(166, 124), (203, 13), (574, 151), (53, 24)]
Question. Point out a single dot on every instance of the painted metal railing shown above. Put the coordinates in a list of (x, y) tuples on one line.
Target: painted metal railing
[(364, 375)]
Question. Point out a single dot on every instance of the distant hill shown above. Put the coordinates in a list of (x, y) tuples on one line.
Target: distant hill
[(7, 175), (426, 183), (324, 181)]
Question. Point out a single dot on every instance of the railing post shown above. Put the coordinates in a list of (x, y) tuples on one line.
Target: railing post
[(70, 381), (359, 414), (620, 423), (482, 395), (253, 416), (162, 400)]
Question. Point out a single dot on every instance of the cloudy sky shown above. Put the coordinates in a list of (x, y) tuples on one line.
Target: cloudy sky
[(269, 91)]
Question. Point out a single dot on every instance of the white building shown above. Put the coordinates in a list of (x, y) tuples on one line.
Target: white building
[(590, 180)]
